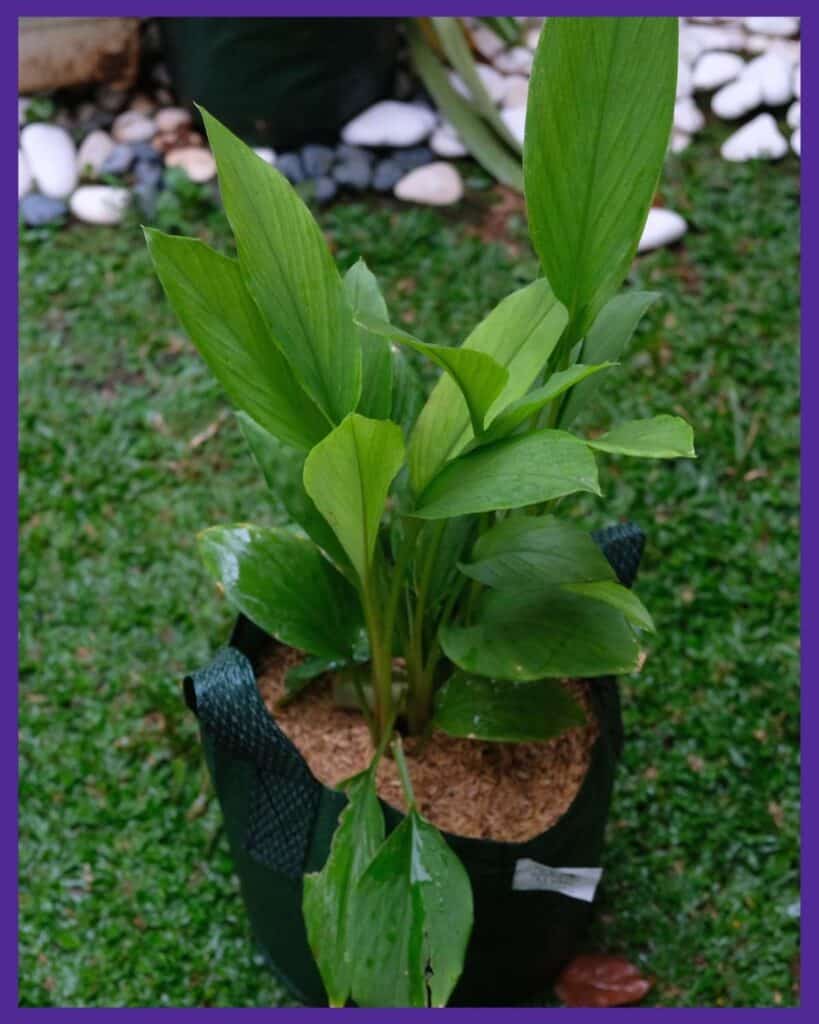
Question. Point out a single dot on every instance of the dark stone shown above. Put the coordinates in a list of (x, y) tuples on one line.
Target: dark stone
[(145, 152), (146, 198), (345, 153), (409, 159), (119, 161), (387, 175), (325, 189), (39, 210), (290, 165), (317, 160), (148, 174), (355, 174)]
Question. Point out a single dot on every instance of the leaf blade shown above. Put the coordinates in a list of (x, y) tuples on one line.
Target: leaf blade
[(618, 596), (290, 273), (364, 296), (661, 437)]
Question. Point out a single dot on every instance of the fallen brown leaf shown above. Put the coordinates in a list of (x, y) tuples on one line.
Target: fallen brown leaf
[(594, 979)]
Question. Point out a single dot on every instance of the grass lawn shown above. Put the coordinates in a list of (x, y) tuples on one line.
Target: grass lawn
[(126, 891)]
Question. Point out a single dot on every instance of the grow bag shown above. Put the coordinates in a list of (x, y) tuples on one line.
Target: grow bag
[(532, 901), (282, 81)]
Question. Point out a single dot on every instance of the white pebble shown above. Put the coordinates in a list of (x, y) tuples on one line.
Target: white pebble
[(99, 204), (515, 120), (774, 74), (756, 140), (93, 152), (796, 142), (687, 116), (436, 184), (717, 68), (517, 61), (266, 153), (533, 38), (390, 123), (772, 26), (794, 117), (737, 98), (517, 91), (195, 161), (25, 180), (492, 81), (487, 43), (796, 82), (52, 159), (171, 119), (663, 227), (446, 142), (133, 126), (679, 142), (685, 84)]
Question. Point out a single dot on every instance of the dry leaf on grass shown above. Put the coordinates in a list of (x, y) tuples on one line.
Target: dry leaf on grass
[(594, 979)]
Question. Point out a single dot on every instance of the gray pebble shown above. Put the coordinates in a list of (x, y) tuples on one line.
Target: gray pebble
[(409, 159), (387, 175), (325, 189), (38, 210), (145, 151), (148, 174), (317, 160), (346, 152), (146, 198), (119, 161), (291, 167), (355, 174)]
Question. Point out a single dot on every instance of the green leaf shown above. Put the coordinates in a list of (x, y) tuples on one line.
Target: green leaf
[(455, 46), (504, 711), (520, 334), (412, 920), (617, 596), (290, 273), (479, 378), (281, 582), (478, 137), (662, 437), (329, 895), (516, 414), (598, 120), (407, 392), (510, 474), (526, 551), (208, 295), (298, 677), (528, 634), (607, 339), (283, 471), (364, 296), (348, 476)]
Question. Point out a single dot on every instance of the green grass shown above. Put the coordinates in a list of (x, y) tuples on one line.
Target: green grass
[(126, 891)]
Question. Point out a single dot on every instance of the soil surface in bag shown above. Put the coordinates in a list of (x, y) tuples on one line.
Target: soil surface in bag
[(508, 792)]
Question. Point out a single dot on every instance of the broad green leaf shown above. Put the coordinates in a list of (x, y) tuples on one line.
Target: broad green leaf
[(510, 474), (607, 339), (520, 334), (298, 677), (281, 582), (328, 897), (516, 414), (505, 711), (364, 296), (478, 137), (598, 120), (348, 475), (527, 551), (283, 471), (617, 596), (412, 920), (290, 273), (479, 378), (662, 437), (457, 50), (407, 392), (444, 542), (208, 295), (531, 634)]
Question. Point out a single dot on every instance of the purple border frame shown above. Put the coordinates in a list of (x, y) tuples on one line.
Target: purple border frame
[(8, 451)]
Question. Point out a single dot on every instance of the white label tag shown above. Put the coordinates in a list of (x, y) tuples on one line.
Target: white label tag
[(579, 883)]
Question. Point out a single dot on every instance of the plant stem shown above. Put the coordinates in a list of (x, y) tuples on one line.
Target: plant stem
[(419, 686), (403, 772), (380, 658)]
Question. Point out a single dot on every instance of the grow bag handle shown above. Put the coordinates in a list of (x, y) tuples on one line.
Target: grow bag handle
[(284, 794)]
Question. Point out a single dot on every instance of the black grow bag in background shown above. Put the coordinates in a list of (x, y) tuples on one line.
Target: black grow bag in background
[(280, 822), (281, 82)]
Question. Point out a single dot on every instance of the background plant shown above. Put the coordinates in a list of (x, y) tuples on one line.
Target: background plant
[(451, 571)]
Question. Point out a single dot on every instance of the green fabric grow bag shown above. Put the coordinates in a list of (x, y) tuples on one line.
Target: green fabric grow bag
[(280, 821), (282, 82)]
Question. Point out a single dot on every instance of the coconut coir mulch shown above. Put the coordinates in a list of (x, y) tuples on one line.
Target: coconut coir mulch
[(509, 792)]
